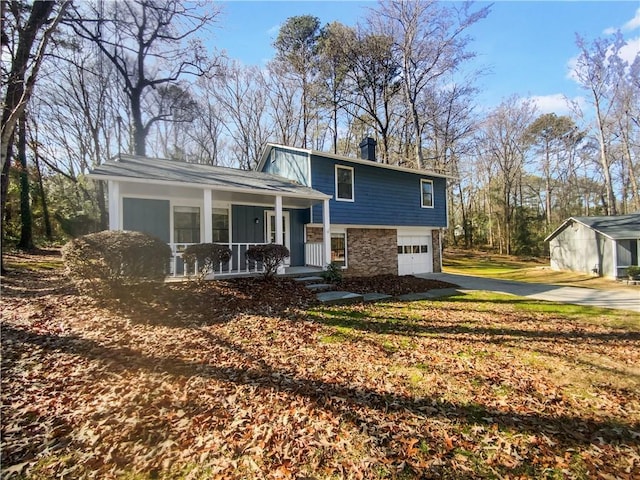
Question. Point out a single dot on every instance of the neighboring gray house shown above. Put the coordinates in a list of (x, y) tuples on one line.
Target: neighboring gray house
[(602, 245)]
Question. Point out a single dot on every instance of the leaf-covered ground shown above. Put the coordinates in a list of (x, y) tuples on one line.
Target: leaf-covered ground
[(252, 380)]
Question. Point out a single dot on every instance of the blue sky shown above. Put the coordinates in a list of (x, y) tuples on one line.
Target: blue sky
[(527, 46)]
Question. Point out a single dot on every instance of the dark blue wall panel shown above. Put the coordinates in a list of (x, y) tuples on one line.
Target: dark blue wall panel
[(382, 196), (148, 216)]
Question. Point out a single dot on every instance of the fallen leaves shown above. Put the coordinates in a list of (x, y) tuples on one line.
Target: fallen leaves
[(233, 380)]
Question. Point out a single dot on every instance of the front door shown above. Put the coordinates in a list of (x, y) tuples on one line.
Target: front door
[(271, 231)]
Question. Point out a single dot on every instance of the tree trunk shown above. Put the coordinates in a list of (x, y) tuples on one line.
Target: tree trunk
[(48, 231), (26, 218)]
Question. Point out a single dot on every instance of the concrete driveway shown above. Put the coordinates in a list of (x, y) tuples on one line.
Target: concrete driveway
[(620, 299)]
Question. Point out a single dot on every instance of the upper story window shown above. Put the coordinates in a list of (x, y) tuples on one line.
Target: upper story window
[(344, 184), (426, 193)]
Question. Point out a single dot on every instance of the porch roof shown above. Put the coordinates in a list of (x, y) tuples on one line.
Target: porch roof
[(159, 171)]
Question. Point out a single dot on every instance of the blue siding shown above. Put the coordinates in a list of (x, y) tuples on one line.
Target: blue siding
[(288, 164), (147, 216), (245, 229), (382, 196)]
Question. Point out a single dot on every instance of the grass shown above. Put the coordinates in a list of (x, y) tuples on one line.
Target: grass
[(478, 385), (509, 267)]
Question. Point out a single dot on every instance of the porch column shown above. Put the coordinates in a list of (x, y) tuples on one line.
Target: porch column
[(278, 213), (114, 205), (279, 234), (326, 232), (208, 210)]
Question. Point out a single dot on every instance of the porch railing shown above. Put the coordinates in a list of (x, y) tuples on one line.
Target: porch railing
[(237, 265), (314, 254)]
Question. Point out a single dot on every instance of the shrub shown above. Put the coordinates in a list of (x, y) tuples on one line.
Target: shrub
[(207, 256), (106, 260), (333, 273), (633, 271), (271, 256)]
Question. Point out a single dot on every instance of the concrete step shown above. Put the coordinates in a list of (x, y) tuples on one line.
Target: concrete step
[(339, 298), (376, 297), (307, 279), (319, 286)]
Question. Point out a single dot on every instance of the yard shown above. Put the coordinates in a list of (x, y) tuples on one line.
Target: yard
[(244, 379)]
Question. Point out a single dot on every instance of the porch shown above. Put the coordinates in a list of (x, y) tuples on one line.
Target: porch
[(238, 265)]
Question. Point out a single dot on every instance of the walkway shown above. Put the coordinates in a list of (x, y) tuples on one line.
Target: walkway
[(619, 299)]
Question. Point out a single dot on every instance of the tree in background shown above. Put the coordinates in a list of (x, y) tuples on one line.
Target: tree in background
[(297, 47), (152, 46), (26, 32), (600, 69)]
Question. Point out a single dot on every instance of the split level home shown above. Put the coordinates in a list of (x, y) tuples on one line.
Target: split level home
[(367, 217), (603, 245)]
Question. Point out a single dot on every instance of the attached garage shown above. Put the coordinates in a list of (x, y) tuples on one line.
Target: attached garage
[(415, 252)]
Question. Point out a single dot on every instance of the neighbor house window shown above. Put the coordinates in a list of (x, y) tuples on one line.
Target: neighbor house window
[(220, 223), (186, 225), (339, 249), (426, 192), (344, 183)]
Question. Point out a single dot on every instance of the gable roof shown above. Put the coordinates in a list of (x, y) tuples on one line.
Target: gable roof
[(616, 227), (342, 158), (173, 172)]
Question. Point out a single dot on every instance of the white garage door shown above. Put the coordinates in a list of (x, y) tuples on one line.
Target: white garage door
[(414, 254)]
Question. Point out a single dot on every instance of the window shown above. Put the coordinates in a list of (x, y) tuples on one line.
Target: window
[(339, 249), (186, 224), (426, 191), (344, 183), (220, 225)]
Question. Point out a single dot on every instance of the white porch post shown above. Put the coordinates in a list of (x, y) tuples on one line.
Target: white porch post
[(279, 233), (614, 252), (326, 232), (208, 211), (278, 213), (114, 205)]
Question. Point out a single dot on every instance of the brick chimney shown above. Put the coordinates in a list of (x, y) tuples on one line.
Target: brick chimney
[(368, 149)]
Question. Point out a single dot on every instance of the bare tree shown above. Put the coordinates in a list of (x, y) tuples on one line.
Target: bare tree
[(599, 69), (152, 44), (429, 43), (502, 140)]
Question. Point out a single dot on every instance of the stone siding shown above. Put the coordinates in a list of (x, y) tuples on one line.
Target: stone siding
[(437, 251), (372, 252), (314, 235)]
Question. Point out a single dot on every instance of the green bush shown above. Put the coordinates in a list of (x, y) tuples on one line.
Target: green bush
[(271, 256), (633, 271), (105, 261), (207, 256), (333, 273)]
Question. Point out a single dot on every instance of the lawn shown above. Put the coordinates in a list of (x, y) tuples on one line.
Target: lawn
[(511, 267), (252, 380)]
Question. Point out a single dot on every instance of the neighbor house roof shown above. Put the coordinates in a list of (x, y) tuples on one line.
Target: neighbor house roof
[(616, 227), (342, 158), (173, 172)]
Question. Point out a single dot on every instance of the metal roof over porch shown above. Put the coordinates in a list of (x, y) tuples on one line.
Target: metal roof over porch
[(230, 184)]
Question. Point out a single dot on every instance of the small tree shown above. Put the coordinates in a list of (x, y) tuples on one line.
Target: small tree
[(206, 256), (104, 261), (271, 256)]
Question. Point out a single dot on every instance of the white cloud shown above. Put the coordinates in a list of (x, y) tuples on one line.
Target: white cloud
[(630, 26), (556, 103)]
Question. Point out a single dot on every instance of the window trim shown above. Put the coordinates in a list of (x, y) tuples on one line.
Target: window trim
[(337, 232), (422, 182), (353, 196), (228, 210), (177, 206)]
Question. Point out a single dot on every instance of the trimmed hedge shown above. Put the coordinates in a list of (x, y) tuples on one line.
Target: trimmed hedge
[(207, 256), (107, 260), (271, 256)]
